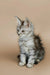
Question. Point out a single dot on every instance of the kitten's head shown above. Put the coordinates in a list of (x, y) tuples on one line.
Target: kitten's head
[(24, 27)]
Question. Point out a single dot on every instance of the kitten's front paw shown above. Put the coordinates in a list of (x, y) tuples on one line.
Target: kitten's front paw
[(29, 65), (21, 64)]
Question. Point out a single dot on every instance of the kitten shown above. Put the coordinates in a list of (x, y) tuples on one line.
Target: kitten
[(31, 48)]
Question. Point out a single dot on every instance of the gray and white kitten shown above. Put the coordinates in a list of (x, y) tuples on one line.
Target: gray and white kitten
[(31, 48)]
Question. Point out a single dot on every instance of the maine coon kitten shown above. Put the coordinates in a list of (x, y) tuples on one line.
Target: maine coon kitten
[(31, 48)]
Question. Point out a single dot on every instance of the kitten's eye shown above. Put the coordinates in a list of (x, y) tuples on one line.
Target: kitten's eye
[(22, 30)]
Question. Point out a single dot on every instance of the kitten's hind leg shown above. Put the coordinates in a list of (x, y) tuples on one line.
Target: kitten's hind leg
[(37, 61)]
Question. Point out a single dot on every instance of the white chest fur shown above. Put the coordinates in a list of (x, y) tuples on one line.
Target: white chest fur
[(26, 45)]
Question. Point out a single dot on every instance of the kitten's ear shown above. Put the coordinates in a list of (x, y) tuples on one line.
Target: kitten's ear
[(18, 20), (27, 22)]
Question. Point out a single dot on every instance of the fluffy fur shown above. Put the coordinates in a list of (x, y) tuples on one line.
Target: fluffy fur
[(31, 48)]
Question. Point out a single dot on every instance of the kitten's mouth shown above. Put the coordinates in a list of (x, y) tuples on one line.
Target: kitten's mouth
[(19, 34)]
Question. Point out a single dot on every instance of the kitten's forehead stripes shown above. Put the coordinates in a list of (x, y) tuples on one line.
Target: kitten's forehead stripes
[(22, 24)]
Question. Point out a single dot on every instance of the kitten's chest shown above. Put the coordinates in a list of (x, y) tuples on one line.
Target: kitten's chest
[(27, 42), (26, 46)]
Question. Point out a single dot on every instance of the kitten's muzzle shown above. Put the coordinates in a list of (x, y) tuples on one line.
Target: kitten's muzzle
[(18, 34)]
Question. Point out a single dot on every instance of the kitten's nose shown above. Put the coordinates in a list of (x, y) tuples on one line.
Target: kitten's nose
[(18, 34)]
